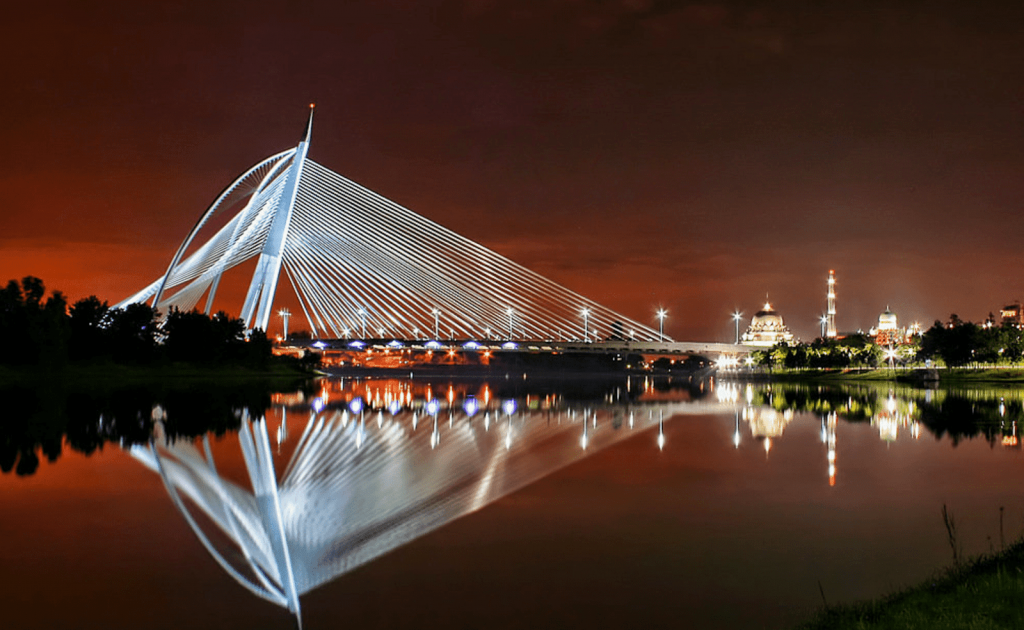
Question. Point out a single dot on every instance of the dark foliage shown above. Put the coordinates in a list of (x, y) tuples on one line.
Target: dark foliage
[(44, 332), (959, 343)]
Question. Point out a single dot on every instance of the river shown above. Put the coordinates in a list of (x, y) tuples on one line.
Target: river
[(502, 503)]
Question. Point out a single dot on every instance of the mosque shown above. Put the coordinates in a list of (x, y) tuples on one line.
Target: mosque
[(766, 329), (888, 332)]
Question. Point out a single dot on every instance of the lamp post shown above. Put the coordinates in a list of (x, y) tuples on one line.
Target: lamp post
[(586, 329), (736, 316), (362, 316), (510, 314), (285, 314), (661, 324), (437, 314), (890, 354), (824, 322)]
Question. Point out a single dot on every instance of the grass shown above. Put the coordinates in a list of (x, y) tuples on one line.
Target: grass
[(947, 376), (984, 593)]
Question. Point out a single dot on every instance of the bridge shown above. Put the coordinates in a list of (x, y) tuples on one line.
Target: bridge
[(709, 350), (364, 266)]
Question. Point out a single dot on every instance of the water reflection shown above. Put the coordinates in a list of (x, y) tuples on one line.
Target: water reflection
[(991, 414), (303, 486), (378, 463)]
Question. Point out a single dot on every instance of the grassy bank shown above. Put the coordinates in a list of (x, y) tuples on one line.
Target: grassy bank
[(946, 376), (985, 593)]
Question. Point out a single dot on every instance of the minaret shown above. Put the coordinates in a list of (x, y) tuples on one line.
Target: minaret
[(830, 320)]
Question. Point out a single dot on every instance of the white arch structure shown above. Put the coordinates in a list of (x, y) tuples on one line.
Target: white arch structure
[(362, 265)]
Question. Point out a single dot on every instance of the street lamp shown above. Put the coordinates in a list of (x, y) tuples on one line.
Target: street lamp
[(824, 322), (586, 329), (890, 354), (437, 314), (510, 314), (736, 316), (285, 314), (661, 324), (362, 316)]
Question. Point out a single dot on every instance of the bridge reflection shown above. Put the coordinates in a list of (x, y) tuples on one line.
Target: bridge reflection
[(333, 477), (332, 480)]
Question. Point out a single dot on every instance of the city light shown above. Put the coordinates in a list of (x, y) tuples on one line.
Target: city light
[(736, 316), (661, 324), (285, 314)]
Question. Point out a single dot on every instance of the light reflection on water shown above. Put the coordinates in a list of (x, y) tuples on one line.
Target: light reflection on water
[(733, 509), (365, 476)]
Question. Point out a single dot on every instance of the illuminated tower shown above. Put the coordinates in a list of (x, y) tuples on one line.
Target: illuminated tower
[(830, 318)]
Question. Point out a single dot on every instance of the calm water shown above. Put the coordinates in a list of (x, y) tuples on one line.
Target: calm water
[(502, 504)]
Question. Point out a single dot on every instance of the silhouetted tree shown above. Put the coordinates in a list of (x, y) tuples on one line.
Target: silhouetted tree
[(133, 333), (87, 318)]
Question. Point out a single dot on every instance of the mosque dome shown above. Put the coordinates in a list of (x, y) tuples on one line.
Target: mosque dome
[(767, 319), (767, 328), (887, 320)]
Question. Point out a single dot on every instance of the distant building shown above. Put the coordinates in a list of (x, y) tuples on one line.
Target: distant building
[(1012, 314), (766, 329), (888, 331)]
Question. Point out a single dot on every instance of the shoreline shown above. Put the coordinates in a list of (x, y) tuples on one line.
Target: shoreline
[(941, 376), (983, 592)]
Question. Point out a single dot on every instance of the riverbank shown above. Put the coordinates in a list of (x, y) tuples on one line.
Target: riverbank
[(945, 376), (115, 373), (985, 593)]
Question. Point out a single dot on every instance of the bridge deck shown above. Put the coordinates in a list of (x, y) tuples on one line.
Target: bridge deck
[(602, 347)]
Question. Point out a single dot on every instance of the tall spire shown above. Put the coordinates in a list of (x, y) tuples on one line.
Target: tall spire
[(309, 126), (830, 318)]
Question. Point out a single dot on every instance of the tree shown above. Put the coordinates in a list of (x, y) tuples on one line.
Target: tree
[(132, 333), (87, 318)]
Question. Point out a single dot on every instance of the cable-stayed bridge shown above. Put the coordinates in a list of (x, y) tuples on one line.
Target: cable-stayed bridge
[(362, 265)]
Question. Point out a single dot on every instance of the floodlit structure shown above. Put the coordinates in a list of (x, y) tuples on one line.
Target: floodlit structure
[(359, 262), (830, 317), (766, 329)]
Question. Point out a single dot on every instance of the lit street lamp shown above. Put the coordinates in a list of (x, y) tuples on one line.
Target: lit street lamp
[(586, 329), (824, 322), (285, 314), (362, 316), (736, 316), (890, 354), (437, 314), (661, 324), (510, 314)]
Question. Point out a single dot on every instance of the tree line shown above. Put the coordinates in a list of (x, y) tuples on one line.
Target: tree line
[(954, 343), (43, 421), (36, 329), (850, 352)]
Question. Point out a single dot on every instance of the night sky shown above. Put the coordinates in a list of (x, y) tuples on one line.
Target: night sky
[(693, 156)]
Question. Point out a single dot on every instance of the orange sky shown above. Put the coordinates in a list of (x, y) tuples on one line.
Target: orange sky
[(644, 153)]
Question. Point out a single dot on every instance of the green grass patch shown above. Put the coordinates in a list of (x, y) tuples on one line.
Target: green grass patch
[(983, 375), (985, 593)]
